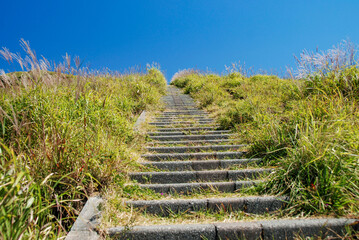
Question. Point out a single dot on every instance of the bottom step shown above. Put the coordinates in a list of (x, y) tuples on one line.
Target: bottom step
[(266, 230)]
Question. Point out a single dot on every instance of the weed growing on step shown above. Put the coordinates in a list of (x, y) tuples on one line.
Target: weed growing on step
[(65, 133), (307, 127)]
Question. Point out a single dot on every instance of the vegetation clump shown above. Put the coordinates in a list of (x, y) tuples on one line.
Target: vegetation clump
[(307, 127), (65, 133)]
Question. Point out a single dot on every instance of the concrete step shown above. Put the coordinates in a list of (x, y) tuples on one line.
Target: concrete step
[(181, 103), (182, 156), (195, 124), (323, 228), (180, 110), (199, 165), (182, 120), (186, 129), (253, 205), (188, 188), (176, 117), (195, 148), (179, 122), (188, 111), (187, 132), (198, 176), (191, 137), (185, 115), (191, 142)]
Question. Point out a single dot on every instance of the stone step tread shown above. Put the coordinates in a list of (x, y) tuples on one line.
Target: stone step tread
[(155, 122), (251, 204), (186, 129), (184, 112), (182, 103), (164, 126), (188, 188), (198, 165), (198, 176), (179, 118), (191, 142), (200, 155), (323, 228), (195, 148), (192, 137), (186, 132), (165, 114), (188, 116), (176, 117), (180, 123), (187, 113), (191, 109)]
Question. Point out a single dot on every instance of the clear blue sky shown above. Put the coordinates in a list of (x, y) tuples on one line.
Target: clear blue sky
[(178, 33)]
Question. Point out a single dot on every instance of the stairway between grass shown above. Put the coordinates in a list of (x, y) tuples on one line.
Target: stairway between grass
[(191, 156)]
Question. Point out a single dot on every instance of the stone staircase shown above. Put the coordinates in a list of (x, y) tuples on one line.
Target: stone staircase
[(190, 155)]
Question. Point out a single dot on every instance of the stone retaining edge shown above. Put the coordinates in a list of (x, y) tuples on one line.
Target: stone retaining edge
[(86, 222), (139, 121)]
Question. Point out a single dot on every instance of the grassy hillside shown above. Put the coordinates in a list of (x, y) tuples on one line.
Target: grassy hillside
[(63, 136), (308, 127), (67, 133)]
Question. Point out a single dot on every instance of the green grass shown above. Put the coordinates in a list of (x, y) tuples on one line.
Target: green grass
[(67, 134), (308, 128), (64, 137)]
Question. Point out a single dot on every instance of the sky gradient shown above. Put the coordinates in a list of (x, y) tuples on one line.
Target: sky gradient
[(178, 34)]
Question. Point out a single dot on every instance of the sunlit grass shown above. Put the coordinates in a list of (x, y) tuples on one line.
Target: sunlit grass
[(308, 128), (65, 133)]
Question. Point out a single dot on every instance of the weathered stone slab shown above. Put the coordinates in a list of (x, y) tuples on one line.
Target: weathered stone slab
[(165, 232), (164, 177), (165, 207), (218, 175), (241, 230), (290, 229)]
